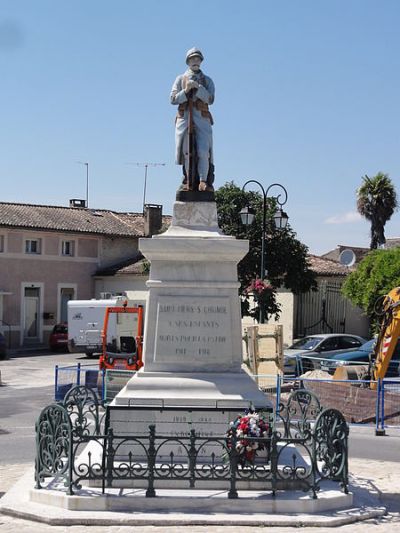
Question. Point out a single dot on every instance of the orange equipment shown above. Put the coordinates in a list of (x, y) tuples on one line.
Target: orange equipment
[(388, 336), (385, 345), (124, 350)]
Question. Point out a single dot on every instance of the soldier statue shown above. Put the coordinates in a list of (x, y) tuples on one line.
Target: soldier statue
[(193, 92)]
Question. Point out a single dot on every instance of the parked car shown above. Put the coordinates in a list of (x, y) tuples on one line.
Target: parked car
[(3, 347), (361, 355), (317, 347), (59, 337)]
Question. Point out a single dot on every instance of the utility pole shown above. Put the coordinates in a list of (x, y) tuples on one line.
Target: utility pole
[(87, 180), (146, 166)]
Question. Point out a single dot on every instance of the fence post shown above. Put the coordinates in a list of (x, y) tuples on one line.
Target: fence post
[(380, 409), (103, 384), (150, 492), (109, 456), (233, 460), (278, 394), (192, 458), (383, 407), (56, 383), (78, 374)]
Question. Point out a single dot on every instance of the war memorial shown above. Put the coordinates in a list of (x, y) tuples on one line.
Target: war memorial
[(167, 451)]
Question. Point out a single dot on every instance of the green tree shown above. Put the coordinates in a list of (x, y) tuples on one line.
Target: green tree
[(377, 201), (285, 256), (376, 275)]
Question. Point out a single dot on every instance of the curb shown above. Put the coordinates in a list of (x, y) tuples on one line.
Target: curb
[(139, 519), (18, 497)]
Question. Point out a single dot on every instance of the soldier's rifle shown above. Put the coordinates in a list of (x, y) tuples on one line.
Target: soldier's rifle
[(192, 170)]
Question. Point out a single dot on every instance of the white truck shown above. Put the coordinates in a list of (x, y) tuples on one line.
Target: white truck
[(86, 319)]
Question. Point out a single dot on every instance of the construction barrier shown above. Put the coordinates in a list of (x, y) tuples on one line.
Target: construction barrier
[(360, 401), (105, 383)]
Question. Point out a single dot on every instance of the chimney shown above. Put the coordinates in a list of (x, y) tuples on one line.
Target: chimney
[(152, 219), (75, 202)]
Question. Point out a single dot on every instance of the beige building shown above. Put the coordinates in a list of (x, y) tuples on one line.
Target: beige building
[(51, 254)]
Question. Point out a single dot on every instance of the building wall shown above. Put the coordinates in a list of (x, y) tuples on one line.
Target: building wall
[(286, 300), (119, 284), (114, 249), (50, 271)]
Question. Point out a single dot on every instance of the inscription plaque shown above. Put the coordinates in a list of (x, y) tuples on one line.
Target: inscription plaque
[(193, 328)]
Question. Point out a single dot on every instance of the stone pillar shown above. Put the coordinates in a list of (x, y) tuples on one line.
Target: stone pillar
[(192, 339)]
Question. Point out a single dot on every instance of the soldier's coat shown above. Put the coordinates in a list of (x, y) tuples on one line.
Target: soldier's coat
[(203, 129)]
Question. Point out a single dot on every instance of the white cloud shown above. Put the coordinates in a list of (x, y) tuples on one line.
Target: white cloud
[(345, 218)]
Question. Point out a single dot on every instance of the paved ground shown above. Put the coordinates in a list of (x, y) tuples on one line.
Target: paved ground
[(380, 476)]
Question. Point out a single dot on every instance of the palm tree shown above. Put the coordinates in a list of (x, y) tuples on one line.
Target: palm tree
[(377, 201)]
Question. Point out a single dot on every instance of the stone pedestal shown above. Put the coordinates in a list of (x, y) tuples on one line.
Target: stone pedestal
[(193, 336)]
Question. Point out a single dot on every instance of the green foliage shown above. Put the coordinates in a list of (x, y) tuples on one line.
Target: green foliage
[(376, 275), (377, 201), (285, 256)]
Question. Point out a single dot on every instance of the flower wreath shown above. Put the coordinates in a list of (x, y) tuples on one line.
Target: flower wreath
[(251, 424)]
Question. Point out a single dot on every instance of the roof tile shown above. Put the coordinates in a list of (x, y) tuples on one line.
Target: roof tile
[(72, 219)]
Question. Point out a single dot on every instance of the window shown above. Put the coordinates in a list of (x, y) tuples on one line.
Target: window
[(68, 248), (33, 246), (1, 243), (331, 343), (349, 342)]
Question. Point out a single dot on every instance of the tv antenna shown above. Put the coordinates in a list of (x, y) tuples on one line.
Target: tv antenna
[(146, 166), (87, 179)]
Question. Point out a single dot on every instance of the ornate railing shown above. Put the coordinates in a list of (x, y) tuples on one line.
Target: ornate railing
[(293, 459), (295, 418)]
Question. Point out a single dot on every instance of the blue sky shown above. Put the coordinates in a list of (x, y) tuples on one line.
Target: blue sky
[(307, 94)]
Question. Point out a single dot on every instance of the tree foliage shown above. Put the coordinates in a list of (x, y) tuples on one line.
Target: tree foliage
[(377, 201), (285, 256), (376, 275)]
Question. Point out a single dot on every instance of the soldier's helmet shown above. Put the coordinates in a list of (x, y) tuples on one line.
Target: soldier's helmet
[(194, 52)]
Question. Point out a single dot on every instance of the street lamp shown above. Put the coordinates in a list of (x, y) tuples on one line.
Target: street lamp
[(280, 218)]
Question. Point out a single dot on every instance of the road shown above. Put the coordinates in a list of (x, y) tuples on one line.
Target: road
[(28, 386)]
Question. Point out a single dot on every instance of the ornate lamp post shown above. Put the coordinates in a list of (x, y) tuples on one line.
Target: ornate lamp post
[(280, 218)]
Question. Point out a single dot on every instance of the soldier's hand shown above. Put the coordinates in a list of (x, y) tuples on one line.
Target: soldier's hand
[(191, 84)]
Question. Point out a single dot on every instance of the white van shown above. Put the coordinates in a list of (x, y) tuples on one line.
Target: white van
[(85, 323)]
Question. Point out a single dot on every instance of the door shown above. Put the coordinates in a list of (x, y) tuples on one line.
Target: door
[(67, 294), (31, 313)]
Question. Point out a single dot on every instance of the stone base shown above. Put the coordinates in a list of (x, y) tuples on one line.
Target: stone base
[(177, 403), (230, 390), (195, 196), (185, 508), (204, 501)]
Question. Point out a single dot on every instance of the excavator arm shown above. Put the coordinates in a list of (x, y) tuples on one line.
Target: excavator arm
[(389, 334)]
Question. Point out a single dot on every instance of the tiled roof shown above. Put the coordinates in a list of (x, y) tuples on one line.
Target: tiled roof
[(359, 252), (327, 267), (134, 266), (72, 219)]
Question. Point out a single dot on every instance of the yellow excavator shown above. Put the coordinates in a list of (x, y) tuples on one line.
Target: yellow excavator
[(385, 345)]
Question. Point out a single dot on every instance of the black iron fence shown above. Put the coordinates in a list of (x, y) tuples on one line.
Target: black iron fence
[(305, 446)]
